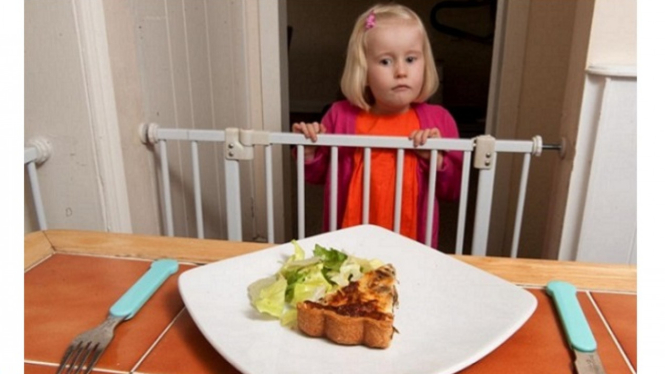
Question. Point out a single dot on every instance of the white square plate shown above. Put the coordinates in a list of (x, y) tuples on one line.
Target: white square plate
[(450, 314)]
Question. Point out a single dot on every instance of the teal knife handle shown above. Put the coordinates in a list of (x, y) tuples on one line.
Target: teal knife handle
[(140, 292), (572, 317)]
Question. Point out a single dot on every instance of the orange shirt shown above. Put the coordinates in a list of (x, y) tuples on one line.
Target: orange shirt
[(383, 174)]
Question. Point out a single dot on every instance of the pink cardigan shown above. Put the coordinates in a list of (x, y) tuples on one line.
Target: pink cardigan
[(341, 119)]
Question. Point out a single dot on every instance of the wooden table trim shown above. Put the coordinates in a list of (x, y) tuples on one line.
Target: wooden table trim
[(36, 247), (527, 272), (584, 275)]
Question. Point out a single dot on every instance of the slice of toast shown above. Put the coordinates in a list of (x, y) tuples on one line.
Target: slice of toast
[(360, 313)]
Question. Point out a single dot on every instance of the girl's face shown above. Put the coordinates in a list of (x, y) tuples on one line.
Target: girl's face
[(395, 65)]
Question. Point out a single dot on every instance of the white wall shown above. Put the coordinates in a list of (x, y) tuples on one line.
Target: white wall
[(613, 33)]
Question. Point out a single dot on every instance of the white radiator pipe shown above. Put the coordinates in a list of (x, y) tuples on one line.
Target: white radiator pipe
[(196, 176), (36, 152)]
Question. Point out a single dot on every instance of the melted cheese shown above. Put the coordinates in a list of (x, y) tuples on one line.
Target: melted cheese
[(379, 285), (373, 293)]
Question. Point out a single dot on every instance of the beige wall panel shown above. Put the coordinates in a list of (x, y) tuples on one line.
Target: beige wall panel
[(195, 58), (232, 47), (160, 94), (57, 108), (194, 76), (138, 159), (223, 90), (180, 34)]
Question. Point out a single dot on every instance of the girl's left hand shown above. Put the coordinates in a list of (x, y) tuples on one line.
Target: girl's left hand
[(420, 137)]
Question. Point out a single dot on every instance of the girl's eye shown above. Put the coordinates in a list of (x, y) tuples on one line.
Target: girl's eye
[(385, 61), (410, 59)]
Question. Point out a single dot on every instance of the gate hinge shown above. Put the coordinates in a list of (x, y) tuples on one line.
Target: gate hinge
[(239, 144), (484, 155)]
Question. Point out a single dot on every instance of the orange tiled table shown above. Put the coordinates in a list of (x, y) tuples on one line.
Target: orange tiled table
[(73, 277)]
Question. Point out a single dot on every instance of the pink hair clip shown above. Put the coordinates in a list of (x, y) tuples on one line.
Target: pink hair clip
[(370, 21)]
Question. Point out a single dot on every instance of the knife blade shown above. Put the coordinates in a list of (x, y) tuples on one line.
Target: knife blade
[(578, 333)]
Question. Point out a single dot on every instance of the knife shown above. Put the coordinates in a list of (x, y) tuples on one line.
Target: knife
[(577, 328)]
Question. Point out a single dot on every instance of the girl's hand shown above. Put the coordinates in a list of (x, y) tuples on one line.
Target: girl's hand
[(311, 131), (420, 137)]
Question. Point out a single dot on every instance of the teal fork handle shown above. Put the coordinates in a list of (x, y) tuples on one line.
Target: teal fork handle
[(572, 317), (143, 289)]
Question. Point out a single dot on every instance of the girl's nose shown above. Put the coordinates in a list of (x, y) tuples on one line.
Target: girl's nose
[(400, 70)]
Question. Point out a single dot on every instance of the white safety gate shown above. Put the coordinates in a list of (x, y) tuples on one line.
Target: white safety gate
[(479, 152)]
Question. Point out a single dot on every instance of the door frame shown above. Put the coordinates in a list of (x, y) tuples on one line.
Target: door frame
[(509, 48), (104, 127)]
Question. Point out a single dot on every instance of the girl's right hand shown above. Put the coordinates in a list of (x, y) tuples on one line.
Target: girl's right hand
[(420, 137), (311, 131)]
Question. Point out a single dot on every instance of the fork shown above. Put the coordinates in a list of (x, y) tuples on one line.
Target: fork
[(86, 349)]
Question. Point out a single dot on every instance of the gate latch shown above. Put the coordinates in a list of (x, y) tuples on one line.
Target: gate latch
[(239, 144), (484, 155)]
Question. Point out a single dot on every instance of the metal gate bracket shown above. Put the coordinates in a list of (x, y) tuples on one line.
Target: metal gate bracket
[(484, 155), (239, 144)]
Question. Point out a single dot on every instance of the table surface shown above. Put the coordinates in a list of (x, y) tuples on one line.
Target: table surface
[(73, 277)]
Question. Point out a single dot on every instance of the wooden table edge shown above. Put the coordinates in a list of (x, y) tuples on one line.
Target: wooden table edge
[(530, 272), (536, 272), (36, 247)]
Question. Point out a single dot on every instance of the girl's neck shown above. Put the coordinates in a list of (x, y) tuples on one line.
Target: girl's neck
[(377, 111)]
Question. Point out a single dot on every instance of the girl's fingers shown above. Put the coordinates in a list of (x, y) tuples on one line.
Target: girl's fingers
[(430, 133), (313, 129), (420, 136), (423, 137), (309, 130), (415, 136)]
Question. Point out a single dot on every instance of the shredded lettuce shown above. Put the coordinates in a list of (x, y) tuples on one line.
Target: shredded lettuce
[(298, 252), (301, 279), (289, 317), (267, 295), (353, 269)]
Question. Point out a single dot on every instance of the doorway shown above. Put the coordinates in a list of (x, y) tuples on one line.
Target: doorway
[(461, 35)]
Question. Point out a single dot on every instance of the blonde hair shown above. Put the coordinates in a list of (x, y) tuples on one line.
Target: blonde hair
[(354, 79)]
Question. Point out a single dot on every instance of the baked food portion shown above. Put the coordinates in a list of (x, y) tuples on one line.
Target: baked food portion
[(360, 313)]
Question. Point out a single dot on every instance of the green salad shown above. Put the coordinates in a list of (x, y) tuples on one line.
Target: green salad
[(301, 279)]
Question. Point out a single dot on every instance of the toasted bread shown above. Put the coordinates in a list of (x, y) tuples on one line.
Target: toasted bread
[(360, 313)]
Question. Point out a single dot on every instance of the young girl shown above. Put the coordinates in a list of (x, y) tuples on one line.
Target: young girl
[(388, 76)]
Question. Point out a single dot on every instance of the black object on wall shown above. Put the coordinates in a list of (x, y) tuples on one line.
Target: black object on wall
[(459, 33)]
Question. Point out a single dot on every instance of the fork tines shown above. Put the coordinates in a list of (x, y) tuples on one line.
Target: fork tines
[(80, 357)]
